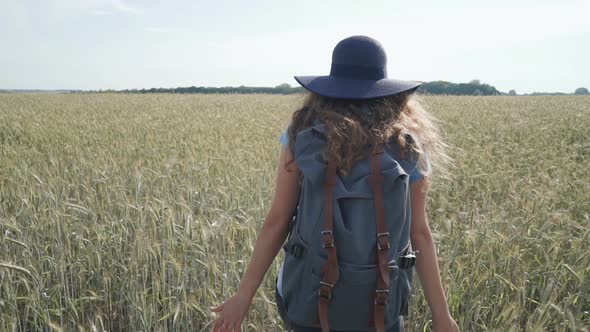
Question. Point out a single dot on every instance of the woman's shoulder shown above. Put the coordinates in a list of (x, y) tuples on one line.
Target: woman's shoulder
[(412, 158), (316, 127), (284, 138), (416, 174)]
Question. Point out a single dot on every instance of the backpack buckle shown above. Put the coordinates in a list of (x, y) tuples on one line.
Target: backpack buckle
[(327, 239), (295, 249), (325, 290), (407, 261), (383, 240), (381, 296)]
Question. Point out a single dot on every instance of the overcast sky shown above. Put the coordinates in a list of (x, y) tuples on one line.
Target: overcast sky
[(540, 45)]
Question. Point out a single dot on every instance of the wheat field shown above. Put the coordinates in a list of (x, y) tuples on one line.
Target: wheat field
[(138, 212)]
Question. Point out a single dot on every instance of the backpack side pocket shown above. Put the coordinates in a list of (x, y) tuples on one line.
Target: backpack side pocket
[(293, 268)]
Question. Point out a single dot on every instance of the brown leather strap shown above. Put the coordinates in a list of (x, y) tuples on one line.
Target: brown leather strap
[(330, 268), (376, 180)]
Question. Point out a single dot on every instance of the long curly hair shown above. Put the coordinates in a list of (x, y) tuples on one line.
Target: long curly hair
[(354, 126)]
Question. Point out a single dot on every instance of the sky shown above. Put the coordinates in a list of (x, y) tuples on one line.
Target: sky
[(526, 45)]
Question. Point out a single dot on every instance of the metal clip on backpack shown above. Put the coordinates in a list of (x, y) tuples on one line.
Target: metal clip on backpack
[(354, 288)]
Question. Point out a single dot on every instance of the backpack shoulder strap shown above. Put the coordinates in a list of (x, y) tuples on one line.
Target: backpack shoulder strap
[(381, 296), (330, 268)]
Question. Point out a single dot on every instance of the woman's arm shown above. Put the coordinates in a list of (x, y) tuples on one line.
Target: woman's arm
[(426, 262), (269, 241), (274, 230)]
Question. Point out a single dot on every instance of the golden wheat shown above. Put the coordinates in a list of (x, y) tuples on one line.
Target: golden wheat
[(138, 212)]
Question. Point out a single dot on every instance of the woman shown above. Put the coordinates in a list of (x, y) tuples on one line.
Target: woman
[(360, 107)]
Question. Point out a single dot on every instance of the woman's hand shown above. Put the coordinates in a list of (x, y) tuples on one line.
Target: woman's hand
[(427, 261), (447, 324), (231, 313)]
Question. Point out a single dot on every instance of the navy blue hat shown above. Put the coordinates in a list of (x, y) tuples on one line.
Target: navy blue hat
[(359, 71)]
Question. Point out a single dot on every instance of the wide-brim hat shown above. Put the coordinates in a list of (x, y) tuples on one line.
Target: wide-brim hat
[(358, 71)]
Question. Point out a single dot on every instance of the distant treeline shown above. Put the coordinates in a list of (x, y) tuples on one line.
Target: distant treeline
[(435, 88), (282, 89), (473, 88)]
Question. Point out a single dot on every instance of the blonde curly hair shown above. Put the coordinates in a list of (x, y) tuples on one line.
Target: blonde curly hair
[(353, 126)]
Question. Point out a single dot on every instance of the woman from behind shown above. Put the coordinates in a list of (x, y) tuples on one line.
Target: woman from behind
[(360, 108)]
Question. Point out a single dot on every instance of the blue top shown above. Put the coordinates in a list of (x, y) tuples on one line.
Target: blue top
[(414, 175)]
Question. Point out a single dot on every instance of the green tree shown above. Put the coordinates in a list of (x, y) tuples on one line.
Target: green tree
[(581, 91), (284, 86)]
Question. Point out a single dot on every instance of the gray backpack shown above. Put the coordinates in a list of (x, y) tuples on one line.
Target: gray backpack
[(348, 259)]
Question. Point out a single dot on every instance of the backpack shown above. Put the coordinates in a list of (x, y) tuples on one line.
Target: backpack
[(348, 258)]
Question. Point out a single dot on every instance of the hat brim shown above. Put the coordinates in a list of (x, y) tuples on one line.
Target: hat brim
[(345, 88)]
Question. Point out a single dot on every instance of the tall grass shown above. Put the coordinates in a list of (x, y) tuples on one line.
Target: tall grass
[(138, 212)]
